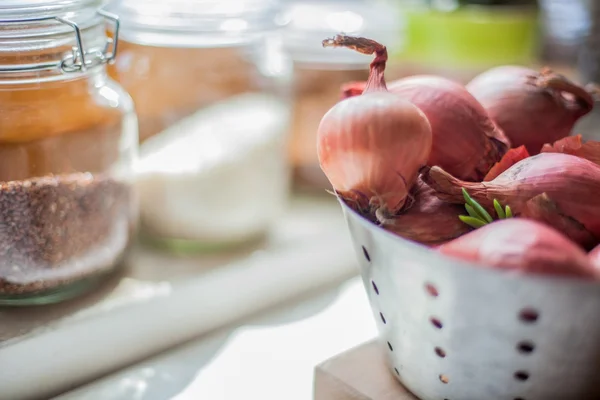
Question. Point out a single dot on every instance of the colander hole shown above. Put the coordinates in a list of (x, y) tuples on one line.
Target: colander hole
[(521, 375), (440, 352), (436, 322), (529, 315), (396, 371), (366, 253), (382, 318), (432, 290), (390, 346), (444, 379), (525, 347), (375, 287)]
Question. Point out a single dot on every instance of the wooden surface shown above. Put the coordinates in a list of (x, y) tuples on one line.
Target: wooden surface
[(358, 374)]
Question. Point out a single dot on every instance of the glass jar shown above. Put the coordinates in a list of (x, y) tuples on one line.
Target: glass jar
[(321, 72), (68, 139), (210, 84)]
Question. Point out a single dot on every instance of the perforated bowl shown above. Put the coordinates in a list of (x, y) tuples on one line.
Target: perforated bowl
[(452, 331)]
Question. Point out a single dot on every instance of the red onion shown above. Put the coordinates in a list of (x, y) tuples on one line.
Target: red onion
[(570, 182), (523, 246), (429, 220), (532, 108), (372, 146), (466, 142), (575, 146)]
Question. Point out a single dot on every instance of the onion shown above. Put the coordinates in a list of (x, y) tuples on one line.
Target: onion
[(594, 256), (466, 142), (523, 246), (570, 182), (509, 159), (372, 146), (573, 145), (429, 221), (532, 108)]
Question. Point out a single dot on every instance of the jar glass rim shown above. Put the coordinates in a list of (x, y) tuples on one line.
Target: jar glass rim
[(25, 9), (196, 17)]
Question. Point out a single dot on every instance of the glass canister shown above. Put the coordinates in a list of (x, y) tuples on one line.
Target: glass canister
[(319, 73), (210, 83), (68, 140)]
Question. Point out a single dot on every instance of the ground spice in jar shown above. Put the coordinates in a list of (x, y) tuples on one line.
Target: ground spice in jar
[(59, 229)]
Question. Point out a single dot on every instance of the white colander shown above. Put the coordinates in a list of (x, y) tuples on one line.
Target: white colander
[(453, 331)]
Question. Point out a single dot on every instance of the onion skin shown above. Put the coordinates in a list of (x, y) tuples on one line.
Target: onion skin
[(371, 147), (530, 106), (429, 221), (466, 141), (522, 246), (594, 256), (543, 209), (575, 146), (572, 183), (509, 159)]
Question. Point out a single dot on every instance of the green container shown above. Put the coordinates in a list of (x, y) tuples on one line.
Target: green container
[(470, 36)]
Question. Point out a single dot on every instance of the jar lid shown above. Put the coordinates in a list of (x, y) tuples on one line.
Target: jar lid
[(308, 23), (194, 23), (72, 29), (17, 9)]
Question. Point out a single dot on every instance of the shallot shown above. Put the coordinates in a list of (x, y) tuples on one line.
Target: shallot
[(532, 108), (575, 146), (372, 146), (466, 142), (429, 221), (523, 246), (572, 183)]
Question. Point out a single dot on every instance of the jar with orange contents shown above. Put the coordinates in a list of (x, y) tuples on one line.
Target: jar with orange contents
[(68, 140)]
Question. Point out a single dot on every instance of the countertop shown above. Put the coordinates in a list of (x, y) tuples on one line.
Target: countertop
[(271, 356)]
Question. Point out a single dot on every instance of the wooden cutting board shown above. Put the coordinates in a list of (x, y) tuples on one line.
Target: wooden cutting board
[(358, 374)]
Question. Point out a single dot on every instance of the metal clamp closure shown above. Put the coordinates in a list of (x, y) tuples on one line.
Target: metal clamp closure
[(79, 60)]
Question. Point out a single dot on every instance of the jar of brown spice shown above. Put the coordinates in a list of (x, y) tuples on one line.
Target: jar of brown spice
[(68, 139)]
